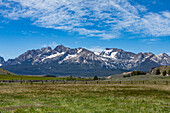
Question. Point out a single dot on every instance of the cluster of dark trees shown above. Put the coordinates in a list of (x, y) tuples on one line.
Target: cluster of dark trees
[(134, 73), (158, 72), (126, 76), (98, 78), (138, 73)]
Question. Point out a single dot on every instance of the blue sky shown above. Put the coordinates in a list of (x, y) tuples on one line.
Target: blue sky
[(132, 25)]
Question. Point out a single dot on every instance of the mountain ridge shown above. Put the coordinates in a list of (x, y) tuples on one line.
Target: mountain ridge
[(110, 58), (2, 61)]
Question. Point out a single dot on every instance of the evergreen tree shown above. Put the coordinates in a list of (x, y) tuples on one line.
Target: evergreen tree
[(158, 72), (164, 73), (169, 72), (133, 73), (138, 73), (95, 78)]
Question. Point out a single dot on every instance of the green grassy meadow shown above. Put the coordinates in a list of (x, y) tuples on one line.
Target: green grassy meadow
[(94, 97), (22, 77), (84, 98)]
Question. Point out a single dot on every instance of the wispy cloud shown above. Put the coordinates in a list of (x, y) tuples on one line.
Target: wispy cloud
[(107, 19), (168, 53), (96, 48), (29, 32), (150, 40), (53, 45)]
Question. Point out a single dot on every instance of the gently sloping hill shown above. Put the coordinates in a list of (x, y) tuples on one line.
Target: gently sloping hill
[(161, 68), (119, 76), (4, 72), (140, 78), (127, 77)]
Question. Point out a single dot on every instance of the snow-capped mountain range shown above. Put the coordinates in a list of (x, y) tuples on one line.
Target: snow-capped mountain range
[(110, 58), (2, 61)]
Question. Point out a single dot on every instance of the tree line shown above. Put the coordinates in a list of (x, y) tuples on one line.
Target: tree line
[(158, 72)]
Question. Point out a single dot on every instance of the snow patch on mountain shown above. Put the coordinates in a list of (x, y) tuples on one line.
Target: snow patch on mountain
[(80, 50), (53, 56), (70, 56), (108, 51), (97, 53), (112, 55)]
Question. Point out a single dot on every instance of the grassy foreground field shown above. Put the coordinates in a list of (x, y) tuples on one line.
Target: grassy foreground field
[(84, 98)]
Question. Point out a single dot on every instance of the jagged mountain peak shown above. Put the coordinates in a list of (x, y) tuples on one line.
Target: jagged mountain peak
[(147, 53), (164, 55), (113, 49), (46, 49), (84, 50), (61, 48), (141, 54), (116, 53), (2, 61), (113, 58)]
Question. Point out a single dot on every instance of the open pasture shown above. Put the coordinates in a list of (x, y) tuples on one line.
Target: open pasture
[(84, 98)]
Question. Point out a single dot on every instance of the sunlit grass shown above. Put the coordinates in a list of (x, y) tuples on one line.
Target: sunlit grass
[(86, 98), (21, 77)]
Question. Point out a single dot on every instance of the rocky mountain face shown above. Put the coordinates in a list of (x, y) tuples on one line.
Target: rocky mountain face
[(131, 61), (2, 61), (47, 59)]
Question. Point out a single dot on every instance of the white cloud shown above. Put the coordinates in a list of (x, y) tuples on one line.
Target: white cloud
[(93, 18), (96, 49), (153, 24), (151, 40), (29, 32), (45, 45), (168, 53), (52, 45)]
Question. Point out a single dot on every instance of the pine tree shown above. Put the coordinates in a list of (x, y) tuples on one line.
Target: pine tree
[(158, 72), (164, 73), (169, 72), (95, 78), (133, 73)]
